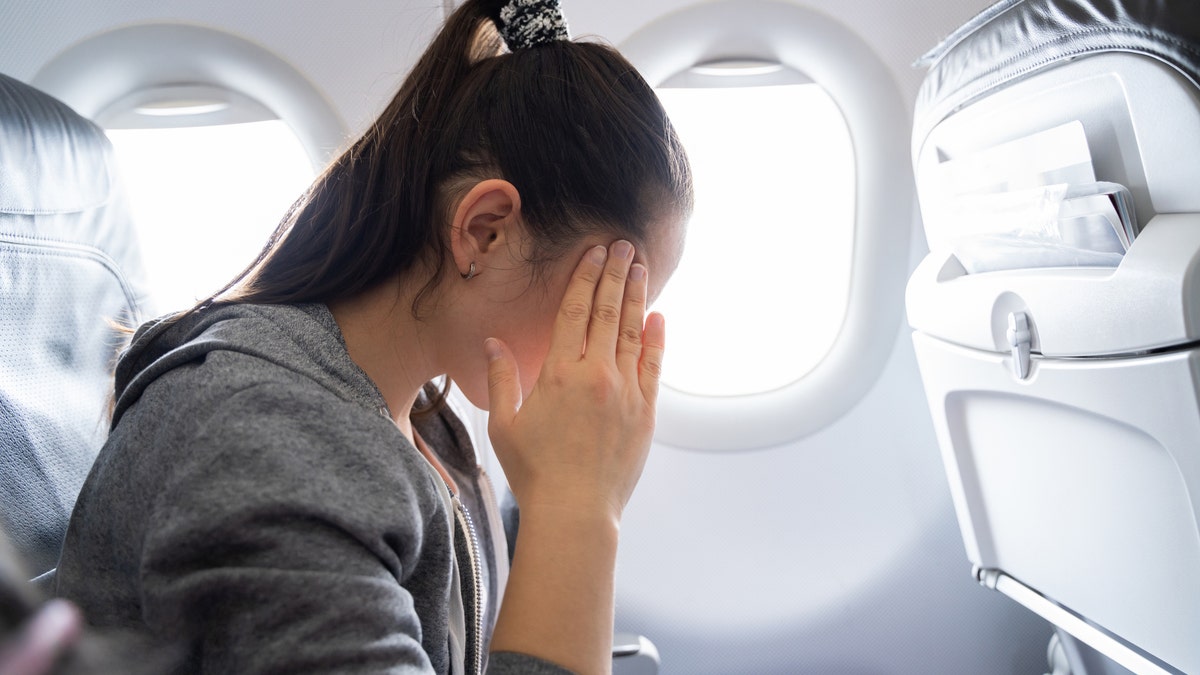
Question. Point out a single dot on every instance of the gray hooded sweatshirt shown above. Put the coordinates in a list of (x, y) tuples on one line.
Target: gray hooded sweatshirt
[(256, 504)]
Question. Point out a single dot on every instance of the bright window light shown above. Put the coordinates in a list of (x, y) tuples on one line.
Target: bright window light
[(760, 295), (205, 199)]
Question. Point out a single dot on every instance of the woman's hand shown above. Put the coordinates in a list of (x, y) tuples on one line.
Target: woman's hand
[(580, 440), (573, 453), (48, 634)]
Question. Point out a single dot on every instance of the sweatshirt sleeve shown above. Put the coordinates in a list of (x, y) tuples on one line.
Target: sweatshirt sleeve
[(278, 545)]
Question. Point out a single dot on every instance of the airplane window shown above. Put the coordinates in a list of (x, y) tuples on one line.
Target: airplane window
[(786, 306), (209, 174), (215, 137), (774, 174)]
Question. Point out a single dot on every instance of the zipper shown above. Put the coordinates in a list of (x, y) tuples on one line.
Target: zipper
[(474, 638)]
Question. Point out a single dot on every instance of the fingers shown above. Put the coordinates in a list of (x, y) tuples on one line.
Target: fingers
[(571, 325), (47, 636), (606, 309), (504, 384), (654, 342), (633, 312)]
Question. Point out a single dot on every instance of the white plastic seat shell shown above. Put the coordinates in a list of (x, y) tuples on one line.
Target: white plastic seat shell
[(1078, 476)]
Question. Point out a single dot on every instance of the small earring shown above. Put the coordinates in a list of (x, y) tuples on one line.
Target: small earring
[(470, 273)]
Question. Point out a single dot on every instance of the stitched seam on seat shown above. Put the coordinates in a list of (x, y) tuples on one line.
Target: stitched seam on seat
[(950, 104), (54, 248), (1163, 37)]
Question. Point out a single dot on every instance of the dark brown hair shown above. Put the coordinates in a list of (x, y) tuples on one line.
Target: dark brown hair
[(572, 125)]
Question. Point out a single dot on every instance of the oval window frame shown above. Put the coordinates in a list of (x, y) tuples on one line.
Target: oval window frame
[(839, 60), (765, 184), (149, 56)]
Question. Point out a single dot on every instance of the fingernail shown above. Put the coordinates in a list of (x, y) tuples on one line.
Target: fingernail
[(598, 254), (656, 320), (491, 347), (637, 272), (622, 249)]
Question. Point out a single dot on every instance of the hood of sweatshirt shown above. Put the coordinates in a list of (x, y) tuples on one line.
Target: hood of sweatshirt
[(304, 339)]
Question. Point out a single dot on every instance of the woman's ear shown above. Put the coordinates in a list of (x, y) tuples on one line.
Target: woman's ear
[(485, 221)]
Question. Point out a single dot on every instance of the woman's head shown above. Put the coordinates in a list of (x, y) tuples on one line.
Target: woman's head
[(572, 127)]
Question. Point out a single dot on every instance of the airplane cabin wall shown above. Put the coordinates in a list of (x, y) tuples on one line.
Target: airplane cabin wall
[(836, 553)]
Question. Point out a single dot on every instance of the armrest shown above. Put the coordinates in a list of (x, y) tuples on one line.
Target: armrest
[(634, 655)]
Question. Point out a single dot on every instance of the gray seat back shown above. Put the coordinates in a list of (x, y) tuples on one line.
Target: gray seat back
[(70, 271)]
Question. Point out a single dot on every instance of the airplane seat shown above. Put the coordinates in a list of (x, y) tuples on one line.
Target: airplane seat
[(70, 272), (1056, 149)]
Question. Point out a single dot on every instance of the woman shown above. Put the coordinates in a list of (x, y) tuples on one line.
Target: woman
[(282, 492)]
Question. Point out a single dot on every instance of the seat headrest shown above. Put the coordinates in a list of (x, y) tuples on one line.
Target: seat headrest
[(1015, 38), (55, 162), (51, 159)]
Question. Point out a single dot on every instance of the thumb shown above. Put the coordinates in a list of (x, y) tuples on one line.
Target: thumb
[(504, 384)]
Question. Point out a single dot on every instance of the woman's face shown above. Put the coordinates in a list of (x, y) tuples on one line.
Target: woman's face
[(515, 304)]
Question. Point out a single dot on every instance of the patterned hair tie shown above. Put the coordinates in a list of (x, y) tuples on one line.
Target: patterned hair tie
[(526, 23)]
